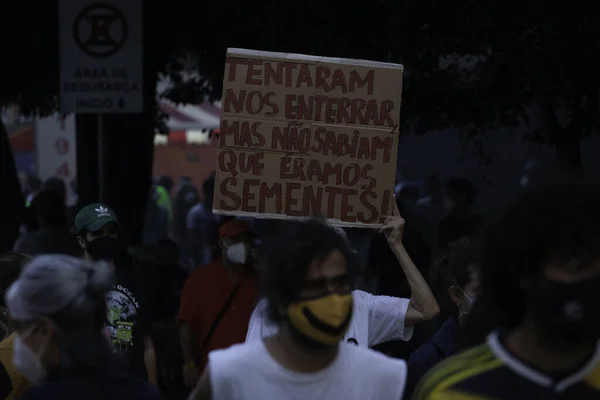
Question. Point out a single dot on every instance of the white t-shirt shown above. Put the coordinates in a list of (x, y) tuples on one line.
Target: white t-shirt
[(248, 372), (375, 319)]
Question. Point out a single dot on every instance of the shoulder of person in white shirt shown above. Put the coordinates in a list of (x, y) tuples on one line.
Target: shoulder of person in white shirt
[(242, 366)]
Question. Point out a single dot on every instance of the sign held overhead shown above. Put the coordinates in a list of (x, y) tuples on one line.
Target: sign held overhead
[(308, 136), (101, 56)]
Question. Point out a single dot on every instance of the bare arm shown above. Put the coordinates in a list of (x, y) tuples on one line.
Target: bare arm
[(203, 390), (150, 361), (423, 305)]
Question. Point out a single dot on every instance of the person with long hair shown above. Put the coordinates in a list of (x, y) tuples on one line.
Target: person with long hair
[(58, 308), (534, 323), (375, 319), (53, 235), (307, 284), (454, 280)]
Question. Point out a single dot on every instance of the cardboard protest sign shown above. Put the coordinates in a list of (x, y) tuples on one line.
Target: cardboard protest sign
[(308, 136)]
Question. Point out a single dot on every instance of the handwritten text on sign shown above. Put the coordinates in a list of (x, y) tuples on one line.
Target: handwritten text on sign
[(305, 136)]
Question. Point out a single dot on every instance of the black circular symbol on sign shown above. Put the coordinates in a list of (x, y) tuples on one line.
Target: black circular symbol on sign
[(100, 30)]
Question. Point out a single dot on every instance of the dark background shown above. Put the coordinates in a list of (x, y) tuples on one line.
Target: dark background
[(472, 66)]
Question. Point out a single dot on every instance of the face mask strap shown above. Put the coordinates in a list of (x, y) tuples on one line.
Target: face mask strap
[(460, 288), (28, 332), (470, 299)]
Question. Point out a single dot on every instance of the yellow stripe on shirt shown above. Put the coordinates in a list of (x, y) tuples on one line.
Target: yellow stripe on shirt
[(593, 379), (442, 386), (454, 395), (452, 365)]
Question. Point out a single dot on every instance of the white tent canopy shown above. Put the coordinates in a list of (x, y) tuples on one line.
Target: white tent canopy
[(205, 116)]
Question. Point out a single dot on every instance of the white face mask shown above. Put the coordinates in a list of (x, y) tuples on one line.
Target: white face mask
[(27, 362), (470, 302), (237, 253)]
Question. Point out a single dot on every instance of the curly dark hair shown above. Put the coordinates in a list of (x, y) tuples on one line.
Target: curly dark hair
[(453, 267), (287, 260), (558, 223)]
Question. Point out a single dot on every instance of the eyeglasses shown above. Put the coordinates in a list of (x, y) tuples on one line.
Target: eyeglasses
[(321, 286)]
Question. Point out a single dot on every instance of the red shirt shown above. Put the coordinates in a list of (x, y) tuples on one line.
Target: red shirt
[(204, 294)]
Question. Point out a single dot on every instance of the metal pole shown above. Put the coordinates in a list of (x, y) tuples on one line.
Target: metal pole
[(101, 157)]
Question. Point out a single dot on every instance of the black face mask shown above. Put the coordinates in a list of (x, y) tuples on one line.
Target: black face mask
[(105, 248), (569, 310)]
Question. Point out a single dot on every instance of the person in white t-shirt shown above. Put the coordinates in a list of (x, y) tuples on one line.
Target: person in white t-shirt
[(307, 284), (376, 319)]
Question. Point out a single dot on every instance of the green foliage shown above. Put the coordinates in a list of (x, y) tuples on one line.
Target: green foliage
[(29, 54), (529, 56), (470, 65)]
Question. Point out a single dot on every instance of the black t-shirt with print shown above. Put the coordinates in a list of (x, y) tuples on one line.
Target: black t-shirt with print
[(127, 322)]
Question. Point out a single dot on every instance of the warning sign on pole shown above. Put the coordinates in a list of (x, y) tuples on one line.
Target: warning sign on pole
[(100, 56)]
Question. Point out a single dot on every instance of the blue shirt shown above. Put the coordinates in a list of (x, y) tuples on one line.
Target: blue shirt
[(441, 346)]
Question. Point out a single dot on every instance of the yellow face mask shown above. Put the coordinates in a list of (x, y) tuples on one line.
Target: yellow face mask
[(324, 320)]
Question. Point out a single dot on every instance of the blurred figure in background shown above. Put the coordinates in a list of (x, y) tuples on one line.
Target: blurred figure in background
[(433, 207), (407, 198), (157, 268), (12, 383), (12, 201), (407, 194), (534, 323), (30, 222), (58, 186), (24, 183), (156, 224), (73, 185), (59, 309), (34, 185), (164, 186), (461, 219), (53, 235), (454, 280), (203, 227), (187, 196)]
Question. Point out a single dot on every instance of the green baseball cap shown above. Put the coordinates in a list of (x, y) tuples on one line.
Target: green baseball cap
[(93, 217)]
